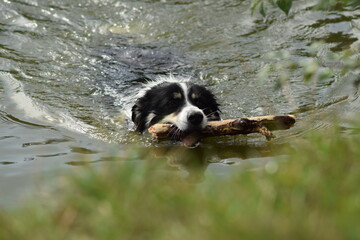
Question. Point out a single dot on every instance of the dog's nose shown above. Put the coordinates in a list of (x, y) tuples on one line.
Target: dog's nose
[(195, 118)]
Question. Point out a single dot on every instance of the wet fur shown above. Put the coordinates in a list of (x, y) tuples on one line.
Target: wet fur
[(186, 105)]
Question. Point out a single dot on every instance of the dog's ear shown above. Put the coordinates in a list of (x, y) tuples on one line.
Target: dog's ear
[(143, 114), (138, 115)]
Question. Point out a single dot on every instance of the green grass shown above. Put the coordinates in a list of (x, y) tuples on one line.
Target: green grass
[(313, 194)]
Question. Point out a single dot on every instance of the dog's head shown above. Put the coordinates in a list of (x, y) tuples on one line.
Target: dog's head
[(186, 105)]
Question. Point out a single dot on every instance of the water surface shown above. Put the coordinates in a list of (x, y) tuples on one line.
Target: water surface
[(70, 71)]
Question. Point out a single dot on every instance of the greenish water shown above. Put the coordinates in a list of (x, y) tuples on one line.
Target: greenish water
[(70, 70)]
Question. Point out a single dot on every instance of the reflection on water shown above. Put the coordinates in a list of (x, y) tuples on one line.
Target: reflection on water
[(70, 72), (190, 163)]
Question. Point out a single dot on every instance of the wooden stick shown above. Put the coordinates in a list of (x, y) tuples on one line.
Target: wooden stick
[(262, 124)]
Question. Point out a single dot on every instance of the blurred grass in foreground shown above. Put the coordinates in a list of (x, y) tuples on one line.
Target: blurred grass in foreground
[(313, 194)]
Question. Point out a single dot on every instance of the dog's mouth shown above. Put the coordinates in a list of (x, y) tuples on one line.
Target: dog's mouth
[(176, 133), (183, 132), (190, 137)]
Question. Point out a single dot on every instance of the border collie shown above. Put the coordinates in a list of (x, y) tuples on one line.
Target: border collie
[(188, 106)]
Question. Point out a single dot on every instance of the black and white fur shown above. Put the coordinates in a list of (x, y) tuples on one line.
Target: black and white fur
[(187, 105)]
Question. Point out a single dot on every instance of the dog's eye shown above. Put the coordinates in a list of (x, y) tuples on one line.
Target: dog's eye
[(173, 102), (199, 103)]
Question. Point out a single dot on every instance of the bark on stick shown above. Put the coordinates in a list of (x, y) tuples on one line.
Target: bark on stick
[(245, 125)]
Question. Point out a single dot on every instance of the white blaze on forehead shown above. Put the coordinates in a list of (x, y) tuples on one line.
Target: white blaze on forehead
[(185, 89)]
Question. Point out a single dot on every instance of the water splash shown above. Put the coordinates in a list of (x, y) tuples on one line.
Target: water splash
[(18, 103)]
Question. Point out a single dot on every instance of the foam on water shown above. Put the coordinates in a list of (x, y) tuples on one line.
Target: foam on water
[(18, 103)]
